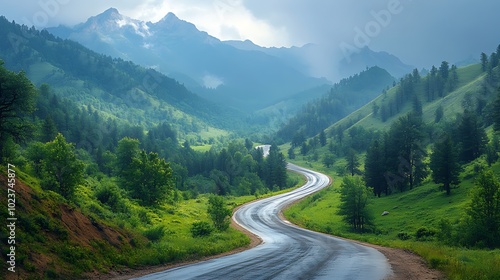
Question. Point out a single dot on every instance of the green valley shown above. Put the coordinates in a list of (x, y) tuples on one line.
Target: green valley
[(111, 169)]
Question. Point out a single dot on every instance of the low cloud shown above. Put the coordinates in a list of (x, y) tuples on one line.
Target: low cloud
[(212, 81)]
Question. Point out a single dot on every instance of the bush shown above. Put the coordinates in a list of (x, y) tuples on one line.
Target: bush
[(110, 196), (200, 229), (403, 236), (445, 231), (143, 216), (42, 221), (155, 233), (218, 212), (436, 262), (424, 234)]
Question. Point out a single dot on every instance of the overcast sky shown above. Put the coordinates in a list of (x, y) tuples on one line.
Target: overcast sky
[(419, 32)]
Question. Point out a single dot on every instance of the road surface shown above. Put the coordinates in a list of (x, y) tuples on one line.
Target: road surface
[(287, 251)]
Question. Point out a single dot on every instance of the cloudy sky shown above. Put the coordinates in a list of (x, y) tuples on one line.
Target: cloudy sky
[(419, 32)]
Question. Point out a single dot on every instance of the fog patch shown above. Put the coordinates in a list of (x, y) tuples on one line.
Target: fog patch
[(212, 81)]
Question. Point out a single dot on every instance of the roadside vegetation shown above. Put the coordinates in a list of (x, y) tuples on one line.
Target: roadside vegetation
[(96, 194)]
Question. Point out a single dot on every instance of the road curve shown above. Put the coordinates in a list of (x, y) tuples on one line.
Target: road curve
[(287, 251)]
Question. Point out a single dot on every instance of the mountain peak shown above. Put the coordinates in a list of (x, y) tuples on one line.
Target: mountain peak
[(172, 23), (112, 13), (170, 18)]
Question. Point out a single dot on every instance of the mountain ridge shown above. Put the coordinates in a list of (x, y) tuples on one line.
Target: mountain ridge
[(246, 80)]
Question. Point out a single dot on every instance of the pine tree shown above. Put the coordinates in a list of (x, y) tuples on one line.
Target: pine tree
[(328, 160), (406, 154), (322, 138), (444, 70), (433, 83), (496, 112), (484, 62), (352, 165), (304, 149), (375, 168), (383, 113), (438, 115), (444, 164), (453, 79), (417, 106), (276, 165), (472, 135), (49, 129), (416, 76)]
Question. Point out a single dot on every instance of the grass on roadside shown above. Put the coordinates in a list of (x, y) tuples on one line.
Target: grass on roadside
[(422, 207)]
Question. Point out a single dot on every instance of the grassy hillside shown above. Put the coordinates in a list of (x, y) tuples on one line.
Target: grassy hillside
[(418, 218), (471, 81)]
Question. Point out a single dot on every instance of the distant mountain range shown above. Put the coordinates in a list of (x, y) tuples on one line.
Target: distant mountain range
[(219, 72), (235, 73)]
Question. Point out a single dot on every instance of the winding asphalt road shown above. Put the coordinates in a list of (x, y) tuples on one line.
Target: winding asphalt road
[(287, 251)]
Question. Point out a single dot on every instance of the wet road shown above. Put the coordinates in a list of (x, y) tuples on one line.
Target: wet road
[(287, 252)]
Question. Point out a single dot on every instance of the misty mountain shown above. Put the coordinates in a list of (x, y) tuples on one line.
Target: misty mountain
[(307, 58), (367, 58), (296, 57), (245, 79)]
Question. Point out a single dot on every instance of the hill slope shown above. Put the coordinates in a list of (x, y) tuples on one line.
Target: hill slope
[(343, 98), (472, 85), (115, 87)]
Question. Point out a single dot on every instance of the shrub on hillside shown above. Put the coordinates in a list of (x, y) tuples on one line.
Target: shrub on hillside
[(200, 229), (424, 234), (155, 233), (403, 235)]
